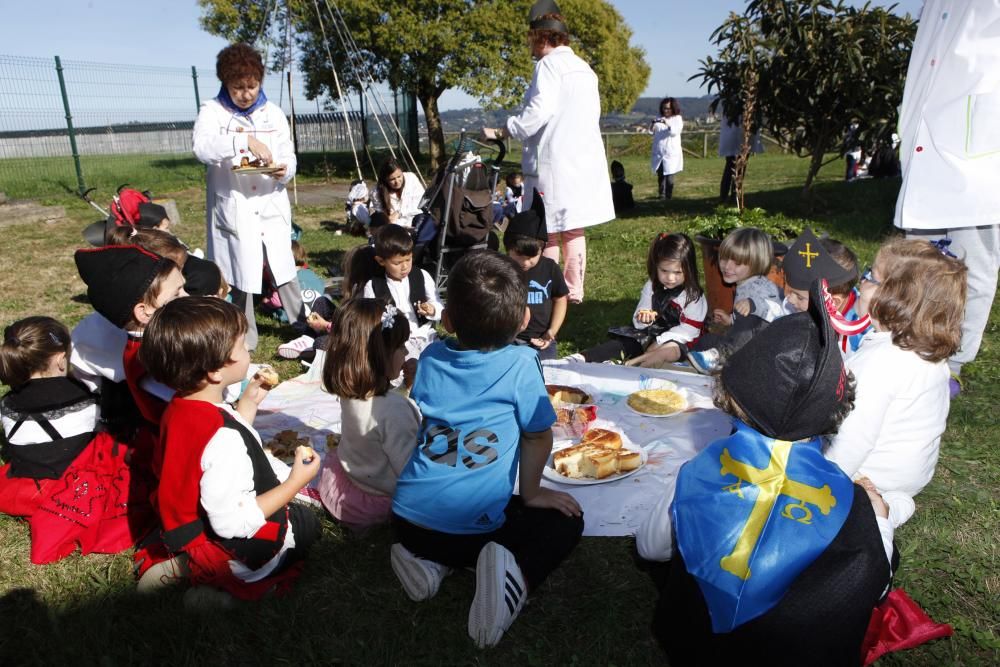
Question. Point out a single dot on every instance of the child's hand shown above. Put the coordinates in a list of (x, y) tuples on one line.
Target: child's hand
[(426, 308), (254, 392), (306, 465), (646, 316), (881, 509), (409, 372), (556, 500), (720, 316), (742, 307), (317, 323), (540, 343)]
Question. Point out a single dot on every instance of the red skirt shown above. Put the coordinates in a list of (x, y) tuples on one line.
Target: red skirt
[(99, 505)]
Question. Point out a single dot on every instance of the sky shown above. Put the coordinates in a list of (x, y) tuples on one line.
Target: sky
[(166, 33)]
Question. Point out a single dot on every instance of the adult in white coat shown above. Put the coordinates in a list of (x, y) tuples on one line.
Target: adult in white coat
[(950, 150), (668, 156), (248, 215), (563, 154)]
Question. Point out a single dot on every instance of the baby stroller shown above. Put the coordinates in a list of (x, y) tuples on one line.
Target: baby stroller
[(458, 210)]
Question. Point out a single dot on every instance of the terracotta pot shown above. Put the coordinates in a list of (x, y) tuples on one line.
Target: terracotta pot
[(720, 294)]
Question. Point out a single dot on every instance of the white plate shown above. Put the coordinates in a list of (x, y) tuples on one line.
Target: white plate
[(683, 394), (549, 473)]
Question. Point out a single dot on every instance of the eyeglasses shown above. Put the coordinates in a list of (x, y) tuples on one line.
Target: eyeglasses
[(868, 277)]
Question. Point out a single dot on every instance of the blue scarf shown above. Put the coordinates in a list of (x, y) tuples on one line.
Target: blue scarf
[(226, 101)]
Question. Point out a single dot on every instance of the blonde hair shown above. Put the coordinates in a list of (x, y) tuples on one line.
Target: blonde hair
[(27, 347), (751, 246), (921, 298)]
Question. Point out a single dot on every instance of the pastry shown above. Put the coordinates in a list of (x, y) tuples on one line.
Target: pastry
[(269, 378), (282, 446), (657, 402), (562, 394), (599, 455)]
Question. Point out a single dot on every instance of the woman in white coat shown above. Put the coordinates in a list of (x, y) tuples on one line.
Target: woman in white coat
[(249, 217), (668, 156), (397, 194), (563, 154)]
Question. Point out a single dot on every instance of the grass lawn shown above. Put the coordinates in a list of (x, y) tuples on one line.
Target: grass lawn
[(596, 609)]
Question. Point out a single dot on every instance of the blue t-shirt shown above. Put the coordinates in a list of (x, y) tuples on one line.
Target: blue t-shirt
[(475, 406)]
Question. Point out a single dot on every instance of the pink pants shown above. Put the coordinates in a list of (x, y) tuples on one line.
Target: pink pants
[(574, 246)]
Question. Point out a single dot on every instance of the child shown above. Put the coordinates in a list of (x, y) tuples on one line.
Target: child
[(313, 298), (811, 258), (226, 515), (670, 313), (915, 296), (412, 292), (745, 258), (486, 416), (525, 238), (774, 545), (126, 285), (513, 196), (71, 483), (621, 191), (378, 427), (356, 205)]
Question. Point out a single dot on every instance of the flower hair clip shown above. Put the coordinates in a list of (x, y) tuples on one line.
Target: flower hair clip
[(942, 246), (389, 316), (55, 338)]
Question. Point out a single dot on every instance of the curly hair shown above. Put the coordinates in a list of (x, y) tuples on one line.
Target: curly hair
[(238, 62)]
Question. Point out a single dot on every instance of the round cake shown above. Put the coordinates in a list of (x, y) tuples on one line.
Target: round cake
[(657, 401)]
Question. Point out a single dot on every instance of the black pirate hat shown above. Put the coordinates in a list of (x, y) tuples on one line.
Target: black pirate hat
[(117, 278), (807, 260), (530, 223), (789, 379), (540, 9)]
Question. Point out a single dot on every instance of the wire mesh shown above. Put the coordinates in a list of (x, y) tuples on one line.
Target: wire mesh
[(130, 122)]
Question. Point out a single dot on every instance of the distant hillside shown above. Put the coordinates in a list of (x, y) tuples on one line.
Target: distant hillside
[(645, 109)]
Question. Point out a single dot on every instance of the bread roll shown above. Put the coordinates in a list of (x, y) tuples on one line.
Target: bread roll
[(562, 394), (604, 438), (269, 378)]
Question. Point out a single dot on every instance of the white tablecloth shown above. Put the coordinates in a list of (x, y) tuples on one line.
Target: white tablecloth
[(610, 509)]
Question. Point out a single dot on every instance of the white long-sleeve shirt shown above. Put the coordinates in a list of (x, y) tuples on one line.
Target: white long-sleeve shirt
[(400, 292), (692, 316), (406, 204), (228, 496), (893, 435), (667, 150)]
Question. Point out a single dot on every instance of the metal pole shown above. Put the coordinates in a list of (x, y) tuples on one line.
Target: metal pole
[(295, 138), (197, 98), (69, 127), (704, 146)]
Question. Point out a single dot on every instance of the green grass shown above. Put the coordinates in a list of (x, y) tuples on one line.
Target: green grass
[(348, 607)]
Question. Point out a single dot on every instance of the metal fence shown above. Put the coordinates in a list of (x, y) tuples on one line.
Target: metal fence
[(68, 125)]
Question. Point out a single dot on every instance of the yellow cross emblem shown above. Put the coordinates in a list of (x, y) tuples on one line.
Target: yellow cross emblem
[(771, 482), (808, 254)]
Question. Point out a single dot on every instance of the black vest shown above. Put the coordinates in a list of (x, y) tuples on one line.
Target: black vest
[(380, 285)]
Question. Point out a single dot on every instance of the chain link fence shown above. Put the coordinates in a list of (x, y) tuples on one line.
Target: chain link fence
[(66, 126)]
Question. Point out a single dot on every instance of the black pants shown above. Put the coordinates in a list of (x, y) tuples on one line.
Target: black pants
[(540, 539), (614, 349), (727, 188), (744, 328), (666, 183)]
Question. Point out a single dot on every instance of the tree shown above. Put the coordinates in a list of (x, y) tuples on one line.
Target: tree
[(818, 65), (427, 47)]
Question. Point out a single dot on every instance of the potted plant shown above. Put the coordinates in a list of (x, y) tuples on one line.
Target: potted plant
[(709, 232)]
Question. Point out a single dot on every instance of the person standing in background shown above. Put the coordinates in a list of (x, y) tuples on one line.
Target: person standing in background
[(563, 156), (668, 156)]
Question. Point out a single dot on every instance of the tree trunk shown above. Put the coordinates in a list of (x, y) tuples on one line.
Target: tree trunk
[(435, 133), (815, 162)]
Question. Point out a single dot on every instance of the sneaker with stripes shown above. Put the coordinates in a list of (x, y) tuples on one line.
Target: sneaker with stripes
[(420, 577), (500, 595)]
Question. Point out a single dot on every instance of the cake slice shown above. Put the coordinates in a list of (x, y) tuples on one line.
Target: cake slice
[(628, 460)]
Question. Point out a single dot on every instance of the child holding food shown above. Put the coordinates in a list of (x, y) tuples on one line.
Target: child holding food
[(671, 309), (486, 417), (225, 506), (411, 289), (378, 426)]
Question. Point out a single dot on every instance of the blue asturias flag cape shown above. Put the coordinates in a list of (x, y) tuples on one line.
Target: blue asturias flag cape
[(750, 514)]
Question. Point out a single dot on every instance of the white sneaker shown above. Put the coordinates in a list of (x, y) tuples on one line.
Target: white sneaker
[(167, 572), (420, 577), (576, 356), (293, 348), (500, 595)]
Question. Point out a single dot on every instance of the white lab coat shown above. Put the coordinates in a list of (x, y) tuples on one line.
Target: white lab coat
[(950, 150), (731, 137), (563, 152), (246, 212), (667, 149)]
